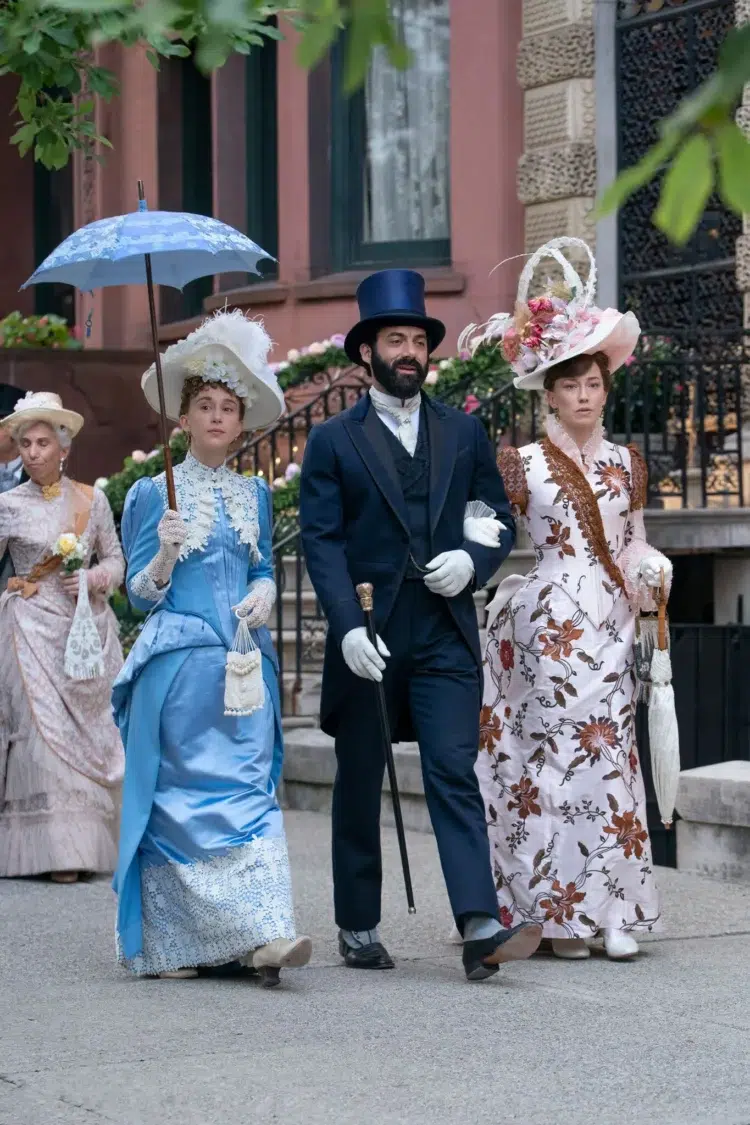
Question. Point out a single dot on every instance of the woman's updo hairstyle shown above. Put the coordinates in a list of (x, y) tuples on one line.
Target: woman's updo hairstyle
[(578, 365), (62, 433), (194, 384)]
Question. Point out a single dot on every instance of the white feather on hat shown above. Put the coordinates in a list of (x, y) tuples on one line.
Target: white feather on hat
[(558, 325), (229, 348)]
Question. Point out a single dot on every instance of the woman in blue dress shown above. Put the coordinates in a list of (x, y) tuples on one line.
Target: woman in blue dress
[(203, 875)]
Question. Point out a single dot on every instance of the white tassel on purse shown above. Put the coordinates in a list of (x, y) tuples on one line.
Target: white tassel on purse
[(244, 691), (84, 656)]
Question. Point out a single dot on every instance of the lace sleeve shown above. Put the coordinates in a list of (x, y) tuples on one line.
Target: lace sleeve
[(108, 574), (636, 545), (514, 477)]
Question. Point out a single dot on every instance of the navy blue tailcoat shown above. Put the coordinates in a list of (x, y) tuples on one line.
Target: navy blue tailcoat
[(354, 525)]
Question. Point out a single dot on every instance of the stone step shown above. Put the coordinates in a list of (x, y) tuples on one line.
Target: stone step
[(310, 769)]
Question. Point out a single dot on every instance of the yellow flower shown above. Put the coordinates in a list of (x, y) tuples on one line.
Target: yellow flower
[(66, 544)]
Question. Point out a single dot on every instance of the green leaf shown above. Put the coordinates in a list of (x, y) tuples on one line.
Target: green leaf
[(32, 43), (316, 39), (24, 138), (629, 181), (686, 189), (733, 151)]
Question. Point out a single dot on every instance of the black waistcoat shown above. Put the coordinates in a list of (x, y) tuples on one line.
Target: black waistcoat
[(414, 477)]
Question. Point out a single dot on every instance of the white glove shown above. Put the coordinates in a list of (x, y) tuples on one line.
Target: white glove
[(257, 605), (651, 569), (481, 525), (361, 656), (172, 531), (451, 573)]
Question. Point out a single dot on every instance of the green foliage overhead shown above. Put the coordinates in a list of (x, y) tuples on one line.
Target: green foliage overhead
[(49, 46), (700, 149)]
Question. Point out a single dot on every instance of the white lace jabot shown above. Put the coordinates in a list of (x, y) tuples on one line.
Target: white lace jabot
[(557, 434), (196, 486)]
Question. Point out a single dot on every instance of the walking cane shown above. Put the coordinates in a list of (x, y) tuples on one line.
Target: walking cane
[(364, 593)]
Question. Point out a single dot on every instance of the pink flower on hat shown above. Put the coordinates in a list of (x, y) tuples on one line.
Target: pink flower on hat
[(511, 345), (541, 309)]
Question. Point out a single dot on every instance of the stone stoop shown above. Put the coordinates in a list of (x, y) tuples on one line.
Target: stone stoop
[(310, 769), (713, 836)]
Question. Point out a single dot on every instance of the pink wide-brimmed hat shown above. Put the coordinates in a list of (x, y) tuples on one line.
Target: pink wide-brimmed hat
[(560, 324)]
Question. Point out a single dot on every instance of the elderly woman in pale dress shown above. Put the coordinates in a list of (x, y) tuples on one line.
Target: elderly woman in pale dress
[(61, 758)]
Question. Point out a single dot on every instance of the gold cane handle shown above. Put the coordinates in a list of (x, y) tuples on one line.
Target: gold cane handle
[(364, 593), (662, 615)]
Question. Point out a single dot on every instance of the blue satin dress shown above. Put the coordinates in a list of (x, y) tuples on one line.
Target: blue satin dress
[(203, 873)]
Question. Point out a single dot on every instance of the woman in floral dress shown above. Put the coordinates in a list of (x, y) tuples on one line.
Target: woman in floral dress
[(559, 766)]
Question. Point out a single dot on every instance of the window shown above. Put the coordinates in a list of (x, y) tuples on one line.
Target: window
[(261, 153), (390, 168), (53, 222), (185, 166)]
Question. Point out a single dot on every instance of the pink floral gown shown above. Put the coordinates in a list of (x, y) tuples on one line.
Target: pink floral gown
[(558, 763)]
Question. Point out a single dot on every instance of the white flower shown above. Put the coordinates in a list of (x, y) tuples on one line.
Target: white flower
[(138, 456), (445, 364), (153, 453), (316, 349), (280, 366), (101, 482), (432, 377), (292, 355), (292, 470), (65, 545), (278, 483)]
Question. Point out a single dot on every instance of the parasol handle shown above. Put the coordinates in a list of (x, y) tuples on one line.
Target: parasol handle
[(662, 615), (171, 497)]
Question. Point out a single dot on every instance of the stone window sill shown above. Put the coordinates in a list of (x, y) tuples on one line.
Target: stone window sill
[(249, 296), (338, 285)]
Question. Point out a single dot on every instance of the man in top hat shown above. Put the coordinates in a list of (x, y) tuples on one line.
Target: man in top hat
[(384, 490)]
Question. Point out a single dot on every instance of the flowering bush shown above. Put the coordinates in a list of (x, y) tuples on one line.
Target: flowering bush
[(18, 331), (302, 364)]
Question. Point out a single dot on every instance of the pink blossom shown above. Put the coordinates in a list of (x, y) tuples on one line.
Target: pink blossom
[(432, 377), (630, 360), (292, 471), (138, 456), (471, 403), (464, 355), (177, 430), (338, 340), (542, 309), (511, 345)]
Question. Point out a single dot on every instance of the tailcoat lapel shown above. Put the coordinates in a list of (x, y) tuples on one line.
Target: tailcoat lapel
[(443, 448), (369, 437)]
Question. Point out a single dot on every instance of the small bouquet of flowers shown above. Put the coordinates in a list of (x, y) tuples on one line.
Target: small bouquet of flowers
[(69, 548)]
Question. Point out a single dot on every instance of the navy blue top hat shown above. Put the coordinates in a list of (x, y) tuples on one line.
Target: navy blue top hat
[(391, 297)]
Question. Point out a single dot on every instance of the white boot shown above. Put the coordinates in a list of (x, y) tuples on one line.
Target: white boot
[(570, 949), (619, 945)]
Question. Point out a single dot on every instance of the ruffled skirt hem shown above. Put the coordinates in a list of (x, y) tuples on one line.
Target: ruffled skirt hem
[(38, 843)]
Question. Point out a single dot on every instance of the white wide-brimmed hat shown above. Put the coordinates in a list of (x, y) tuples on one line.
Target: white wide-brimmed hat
[(42, 406), (227, 348), (560, 324)]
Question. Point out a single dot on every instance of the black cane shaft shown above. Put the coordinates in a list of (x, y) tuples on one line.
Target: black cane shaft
[(385, 729)]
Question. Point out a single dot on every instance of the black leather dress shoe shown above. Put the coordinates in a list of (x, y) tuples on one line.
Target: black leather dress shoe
[(373, 956), (481, 958)]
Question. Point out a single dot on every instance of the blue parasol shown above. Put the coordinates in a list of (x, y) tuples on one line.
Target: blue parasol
[(152, 247)]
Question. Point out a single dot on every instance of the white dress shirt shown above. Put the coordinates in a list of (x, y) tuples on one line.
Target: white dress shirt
[(401, 416)]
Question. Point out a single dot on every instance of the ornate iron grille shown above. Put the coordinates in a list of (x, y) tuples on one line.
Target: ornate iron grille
[(665, 48)]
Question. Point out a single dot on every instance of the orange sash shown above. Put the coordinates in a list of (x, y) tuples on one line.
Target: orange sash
[(29, 585)]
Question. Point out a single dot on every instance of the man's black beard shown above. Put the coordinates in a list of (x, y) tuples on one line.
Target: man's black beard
[(400, 384)]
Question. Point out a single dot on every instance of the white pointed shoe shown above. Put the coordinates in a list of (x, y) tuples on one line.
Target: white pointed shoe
[(179, 974), (619, 945), (570, 949), (280, 954)]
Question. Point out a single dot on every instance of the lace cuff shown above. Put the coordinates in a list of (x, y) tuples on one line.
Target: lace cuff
[(257, 605), (152, 583), (639, 594), (100, 580)]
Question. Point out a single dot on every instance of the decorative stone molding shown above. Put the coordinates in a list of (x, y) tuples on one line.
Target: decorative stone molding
[(565, 53), (541, 16), (564, 111), (544, 221), (557, 173)]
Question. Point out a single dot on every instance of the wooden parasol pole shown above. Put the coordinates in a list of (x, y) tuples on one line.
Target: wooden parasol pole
[(171, 497)]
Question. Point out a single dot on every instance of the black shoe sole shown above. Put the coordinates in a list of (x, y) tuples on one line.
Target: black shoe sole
[(481, 971)]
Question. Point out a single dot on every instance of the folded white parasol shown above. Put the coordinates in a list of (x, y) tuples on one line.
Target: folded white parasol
[(663, 733)]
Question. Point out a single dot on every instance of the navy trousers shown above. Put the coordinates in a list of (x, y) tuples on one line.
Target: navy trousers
[(432, 672)]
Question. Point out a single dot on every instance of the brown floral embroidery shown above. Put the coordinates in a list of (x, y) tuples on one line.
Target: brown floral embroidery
[(561, 904), (613, 478), (525, 795), (568, 477), (630, 833), (639, 473), (558, 641), (514, 477)]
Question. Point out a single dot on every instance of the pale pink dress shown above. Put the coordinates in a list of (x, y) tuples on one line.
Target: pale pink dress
[(61, 758)]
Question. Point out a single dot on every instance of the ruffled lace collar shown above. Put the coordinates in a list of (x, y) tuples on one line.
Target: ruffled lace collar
[(557, 434), (196, 486)]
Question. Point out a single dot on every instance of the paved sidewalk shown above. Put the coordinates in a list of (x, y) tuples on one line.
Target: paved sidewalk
[(662, 1041)]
